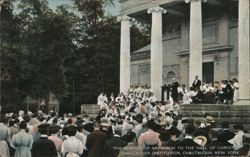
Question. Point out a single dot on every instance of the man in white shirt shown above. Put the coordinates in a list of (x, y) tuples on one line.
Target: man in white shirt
[(130, 90), (138, 124), (53, 116), (100, 99), (21, 114), (152, 98), (192, 93), (237, 141), (105, 98)]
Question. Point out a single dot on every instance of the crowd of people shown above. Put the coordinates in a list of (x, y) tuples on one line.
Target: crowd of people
[(130, 125), (223, 92)]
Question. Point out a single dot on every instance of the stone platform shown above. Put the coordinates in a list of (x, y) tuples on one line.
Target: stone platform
[(234, 114), (90, 109)]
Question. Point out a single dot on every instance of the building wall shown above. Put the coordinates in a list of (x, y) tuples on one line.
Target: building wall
[(135, 6), (140, 72), (233, 40), (220, 38), (172, 43)]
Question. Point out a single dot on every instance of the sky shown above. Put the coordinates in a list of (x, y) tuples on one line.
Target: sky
[(114, 10)]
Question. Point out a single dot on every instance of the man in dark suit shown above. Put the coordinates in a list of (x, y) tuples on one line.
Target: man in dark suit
[(196, 83), (174, 90), (187, 147), (174, 133), (217, 145), (43, 147), (88, 126), (214, 142), (95, 141), (230, 93), (210, 123), (113, 145), (225, 134), (227, 92), (200, 131)]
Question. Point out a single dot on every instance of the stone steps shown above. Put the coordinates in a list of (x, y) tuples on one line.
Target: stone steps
[(90, 109), (234, 114)]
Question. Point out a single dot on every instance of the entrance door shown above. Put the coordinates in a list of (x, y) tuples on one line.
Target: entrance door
[(208, 72)]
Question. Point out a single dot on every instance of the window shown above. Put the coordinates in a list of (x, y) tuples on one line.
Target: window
[(171, 74)]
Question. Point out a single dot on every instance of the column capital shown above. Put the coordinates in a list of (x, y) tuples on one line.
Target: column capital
[(190, 1), (156, 9), (125, 18)]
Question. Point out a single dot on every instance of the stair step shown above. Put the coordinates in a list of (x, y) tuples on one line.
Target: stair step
[(235, 114), (90, 109)]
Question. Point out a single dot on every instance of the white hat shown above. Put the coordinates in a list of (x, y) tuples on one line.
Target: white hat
[(210, 119), (200, 140), (105, 121), (164, 122), (8, 114), (144, 121), (118, 128), (21, 113), (30, 113)]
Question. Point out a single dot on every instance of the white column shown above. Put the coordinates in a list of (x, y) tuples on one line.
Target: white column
[(244, 57), (195, 39), (125, 54), (1, 3), (156, 50)]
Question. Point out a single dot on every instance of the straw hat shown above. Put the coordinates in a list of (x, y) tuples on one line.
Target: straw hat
[(210, 119), (164, 122), (144, 121), (200, 140)]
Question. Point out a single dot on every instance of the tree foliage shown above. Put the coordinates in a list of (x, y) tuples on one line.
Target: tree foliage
[(45, 50)]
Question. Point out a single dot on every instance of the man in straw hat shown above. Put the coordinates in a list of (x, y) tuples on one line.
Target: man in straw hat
[(188, 141), (200, 140)]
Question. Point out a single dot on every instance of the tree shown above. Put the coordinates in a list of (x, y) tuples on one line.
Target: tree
[(102, 50), (35, 43), (45, 51), (13, 59)]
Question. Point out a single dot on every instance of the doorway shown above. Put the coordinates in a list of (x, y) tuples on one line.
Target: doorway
[(208, 72)]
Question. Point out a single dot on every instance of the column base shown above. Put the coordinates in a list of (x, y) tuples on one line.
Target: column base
[(243, 102)]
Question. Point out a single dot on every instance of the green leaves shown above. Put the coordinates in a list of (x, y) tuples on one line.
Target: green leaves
[(44, 51)]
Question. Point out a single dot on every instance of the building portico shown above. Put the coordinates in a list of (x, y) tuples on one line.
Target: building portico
[(198, 38)]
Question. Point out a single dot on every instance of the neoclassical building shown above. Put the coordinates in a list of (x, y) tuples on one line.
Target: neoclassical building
[(208, 38)]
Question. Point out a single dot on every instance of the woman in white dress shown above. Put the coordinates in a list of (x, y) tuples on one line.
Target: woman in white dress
[(236, 90), (4, 149)]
